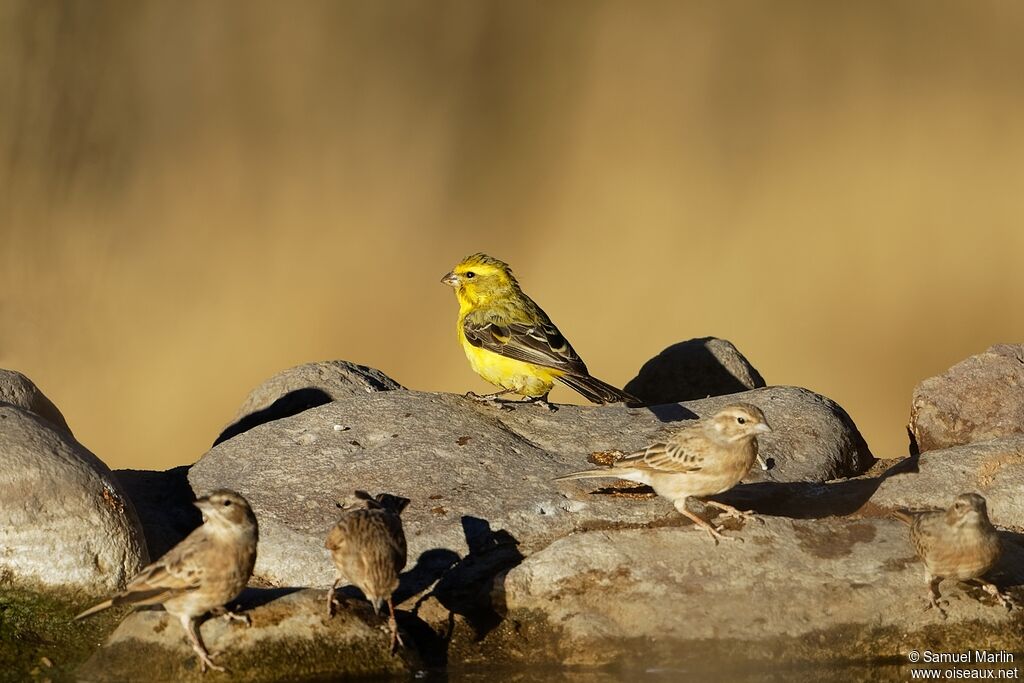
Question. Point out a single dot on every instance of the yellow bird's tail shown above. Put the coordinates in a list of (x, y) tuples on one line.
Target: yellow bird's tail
[(596, 391)]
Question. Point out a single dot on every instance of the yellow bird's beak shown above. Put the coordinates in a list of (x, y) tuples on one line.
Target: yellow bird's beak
[(762, 428), (451, 279)]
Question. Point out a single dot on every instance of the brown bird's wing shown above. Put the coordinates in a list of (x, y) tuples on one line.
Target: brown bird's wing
[(685, 452), (176, 572), (396, 536), (538, 343), (378, 527), (925, 529)]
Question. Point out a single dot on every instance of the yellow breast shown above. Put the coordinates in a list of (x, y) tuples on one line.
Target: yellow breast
[(522, 378)]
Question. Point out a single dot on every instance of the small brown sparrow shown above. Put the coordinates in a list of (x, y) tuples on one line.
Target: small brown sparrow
[(705, 458), (959, 543), (208, 569), (368, 548)]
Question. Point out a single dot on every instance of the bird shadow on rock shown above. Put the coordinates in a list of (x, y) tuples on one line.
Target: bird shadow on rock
[(164, 504), (1009, 571), (466, 586), (815, 500), (292, 403), (251, 598)]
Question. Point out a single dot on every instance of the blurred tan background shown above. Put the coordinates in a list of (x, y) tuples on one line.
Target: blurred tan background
[(196, 195)]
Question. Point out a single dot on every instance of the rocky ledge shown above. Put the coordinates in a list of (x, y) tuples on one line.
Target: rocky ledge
[(509, 567)]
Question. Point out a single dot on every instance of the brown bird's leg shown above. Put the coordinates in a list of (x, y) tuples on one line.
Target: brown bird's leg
[(396, 638), (715, 535), (542, 401), (993, 590), (933, 591), (232, 616), (730, 511), (491, 399), (196, 641), (331, 602)]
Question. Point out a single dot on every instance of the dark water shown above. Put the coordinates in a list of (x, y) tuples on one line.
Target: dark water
[(734, 671)]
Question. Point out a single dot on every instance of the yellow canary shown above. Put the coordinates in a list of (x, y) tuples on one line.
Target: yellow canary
[(511, 342)]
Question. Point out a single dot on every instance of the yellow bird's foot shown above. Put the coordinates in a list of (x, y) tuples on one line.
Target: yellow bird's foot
[(491, 399), (542, 401)]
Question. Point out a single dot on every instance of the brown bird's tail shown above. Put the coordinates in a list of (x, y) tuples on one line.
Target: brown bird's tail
[(106, 604), (587, 474), (596, 391)]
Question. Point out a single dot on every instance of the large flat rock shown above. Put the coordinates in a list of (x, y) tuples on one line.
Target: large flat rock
[(803, 589), (473, 470)]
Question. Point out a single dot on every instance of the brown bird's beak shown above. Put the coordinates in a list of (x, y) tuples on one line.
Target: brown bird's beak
[(762, 428), (203, 504), (451, 279)]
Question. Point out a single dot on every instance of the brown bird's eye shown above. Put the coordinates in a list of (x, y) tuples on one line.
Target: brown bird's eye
[(741, 420), (470, 275), (227, 503)]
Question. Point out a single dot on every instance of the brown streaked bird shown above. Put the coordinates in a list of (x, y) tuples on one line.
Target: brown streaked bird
[(368, 548), (512, 343), (204, 572), (959, 543), (702, 459)]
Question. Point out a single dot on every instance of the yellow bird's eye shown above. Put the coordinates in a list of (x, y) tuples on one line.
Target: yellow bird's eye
[(741, 420), (470, 275)]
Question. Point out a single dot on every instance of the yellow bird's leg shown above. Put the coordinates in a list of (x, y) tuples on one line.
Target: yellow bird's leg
[(542, 401), (491, 399)]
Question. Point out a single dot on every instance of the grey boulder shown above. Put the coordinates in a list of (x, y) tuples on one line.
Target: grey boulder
[(694, 369), (978, 399), (18, 390), (480, 478), (64, 519), (302, 387)]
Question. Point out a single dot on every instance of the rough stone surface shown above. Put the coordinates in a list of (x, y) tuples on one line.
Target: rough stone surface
[(480, 477), (290, 639), (812, 439), (64, 519), (995, 469), (822, 588), (694, 369), (303, 387), (978, 399), (18, 390)]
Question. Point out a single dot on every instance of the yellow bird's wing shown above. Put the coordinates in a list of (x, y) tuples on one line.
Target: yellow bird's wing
[(539, 343)]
